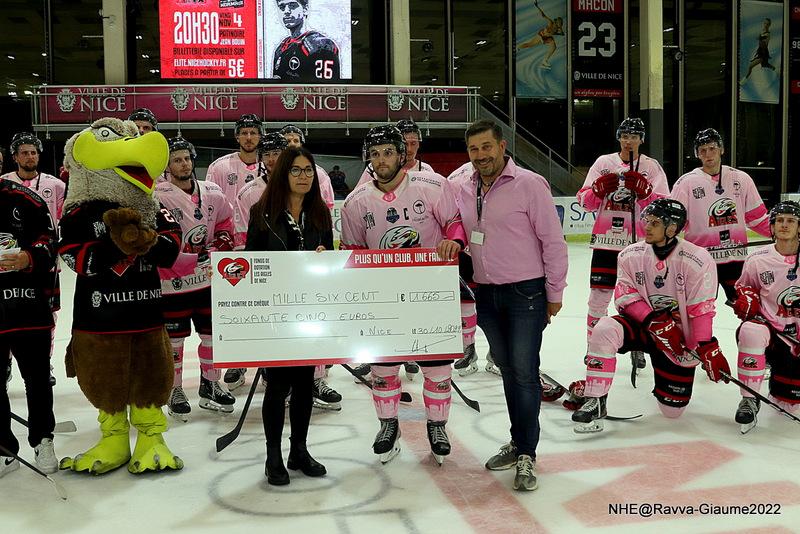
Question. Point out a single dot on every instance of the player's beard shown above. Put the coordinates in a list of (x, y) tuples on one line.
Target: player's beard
[(390, 173), (29, 167), (247, 150)]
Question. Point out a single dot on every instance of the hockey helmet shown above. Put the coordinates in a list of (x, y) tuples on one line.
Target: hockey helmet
[(384, 135), (248, 120), (144, 114), (409, 126), (704, 137), (25, 138), (784, 207), (631, 125), (669, 211), (272, 141), (180, 143), (292, 129)]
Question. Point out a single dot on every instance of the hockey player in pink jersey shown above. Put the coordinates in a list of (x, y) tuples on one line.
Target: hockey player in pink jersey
[(722, 203), (26, 149), (233, 171), (768, 303), (665, 295), (295, 137), (145, 120), (206, 220), (413, 138), (609, 190), (403, 209)]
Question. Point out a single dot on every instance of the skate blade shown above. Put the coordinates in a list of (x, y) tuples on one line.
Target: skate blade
[(214, 407), (410, 376), (589, 428), (438, 458), (235, 385), (387, 457), (493, 369), (330, 406), (184, 417), (472, 369), (744, 428)]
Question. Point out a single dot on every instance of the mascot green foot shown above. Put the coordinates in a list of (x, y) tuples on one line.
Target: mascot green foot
[(112, 451), (151, 453)]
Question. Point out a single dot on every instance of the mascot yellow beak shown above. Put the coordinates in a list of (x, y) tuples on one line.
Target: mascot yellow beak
[(139, 160)]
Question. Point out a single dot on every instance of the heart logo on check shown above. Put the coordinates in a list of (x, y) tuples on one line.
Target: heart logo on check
[(233, 270)]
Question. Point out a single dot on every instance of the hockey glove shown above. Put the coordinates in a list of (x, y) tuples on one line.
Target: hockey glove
[(664, 331), (714, 361), (550, 392), (576, 397), (638, 184), (605, 185), (747, 304), (127, 231)]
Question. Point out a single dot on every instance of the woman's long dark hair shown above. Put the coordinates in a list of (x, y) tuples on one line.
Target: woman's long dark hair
[(275, 199)]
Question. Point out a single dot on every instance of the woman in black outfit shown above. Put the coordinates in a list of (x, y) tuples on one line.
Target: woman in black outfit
[(290, 215)]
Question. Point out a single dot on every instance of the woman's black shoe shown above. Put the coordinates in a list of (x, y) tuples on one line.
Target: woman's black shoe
[(277, 475), (299, 458)]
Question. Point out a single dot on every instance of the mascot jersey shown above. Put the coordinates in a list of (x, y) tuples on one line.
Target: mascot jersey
[(115, 293), (773, 275), (26, 224), (205, 217), (418, 213)]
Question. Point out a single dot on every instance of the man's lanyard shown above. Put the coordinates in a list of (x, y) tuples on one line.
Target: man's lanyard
[(479, 199)]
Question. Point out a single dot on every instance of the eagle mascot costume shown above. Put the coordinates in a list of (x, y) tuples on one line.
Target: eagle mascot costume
[(115, 235)]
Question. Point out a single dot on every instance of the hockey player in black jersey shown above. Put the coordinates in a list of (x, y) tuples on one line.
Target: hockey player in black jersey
[(306, 55)]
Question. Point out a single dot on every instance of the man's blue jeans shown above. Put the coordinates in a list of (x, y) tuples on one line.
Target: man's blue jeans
[(513, 316)]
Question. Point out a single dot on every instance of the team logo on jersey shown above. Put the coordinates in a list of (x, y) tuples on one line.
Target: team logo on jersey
[(233, 178), (66, 100), (619, 200), (592, 363), (369, 219), (767, 277), (180, 99), (233, 270), (97, 299), (665, 302), (699, 192), (289, 98), (177, 284), (400, 237), (395, 100), (722, 212), (658, 281), (7, 241), (392, 216), (47, 192), (789, 302), (177, 214), (196, 239), (640, 278), (419, 207), (749, 363), (294, 63), (791, 275)]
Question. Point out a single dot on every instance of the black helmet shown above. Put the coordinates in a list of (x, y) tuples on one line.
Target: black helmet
[(709, 135), (631, 125), (292, 129), (144, 114), (249, 120), (384, 135), (409, 126), (669, 211), (272, 141), (25, 138), (784, 207), (179, 143)]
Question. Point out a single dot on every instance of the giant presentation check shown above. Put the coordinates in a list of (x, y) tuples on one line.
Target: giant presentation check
[(295, 308)]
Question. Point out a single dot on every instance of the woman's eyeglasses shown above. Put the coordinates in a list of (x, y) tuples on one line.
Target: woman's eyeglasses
[(296, 171)]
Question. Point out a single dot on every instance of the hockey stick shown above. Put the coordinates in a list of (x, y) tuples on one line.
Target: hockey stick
[(746, 245), (61, 428), (475, 405), (633, 198), (609, 417), (404, 396), (748, 389), (230, 437), (59, 488)]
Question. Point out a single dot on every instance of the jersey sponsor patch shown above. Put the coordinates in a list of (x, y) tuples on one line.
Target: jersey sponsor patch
[(767, 277)]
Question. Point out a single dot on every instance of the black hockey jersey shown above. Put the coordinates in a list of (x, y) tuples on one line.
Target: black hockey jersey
[(310, 57), (115, 293), (25, 223)]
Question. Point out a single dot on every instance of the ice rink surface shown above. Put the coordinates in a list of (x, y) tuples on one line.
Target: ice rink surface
[(662, 469)]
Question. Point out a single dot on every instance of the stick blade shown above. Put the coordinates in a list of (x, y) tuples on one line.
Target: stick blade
[(58, 487), (65, 427)]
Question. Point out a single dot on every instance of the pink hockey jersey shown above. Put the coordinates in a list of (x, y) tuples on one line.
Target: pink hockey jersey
[(206, 220), (612, 227), (230, 173), (464, 172), (420, 212), (686, 281), (51, 189), (719, 220), (772, 275), (418, 166)]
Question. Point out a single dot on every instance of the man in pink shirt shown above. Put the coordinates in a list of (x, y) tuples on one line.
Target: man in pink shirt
[(665, 296), (520, 262), (767, 303), (722, 203), (233, 171)]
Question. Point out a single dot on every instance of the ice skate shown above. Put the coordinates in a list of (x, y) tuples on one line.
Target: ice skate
[(440, 443), (469, 363), (363, 371), (178, 405), (746, 414), (213, 397), (490, 366), (412, 370), (234, 378), (386, 441), (638, 360), (325, 397), (590, 416)]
